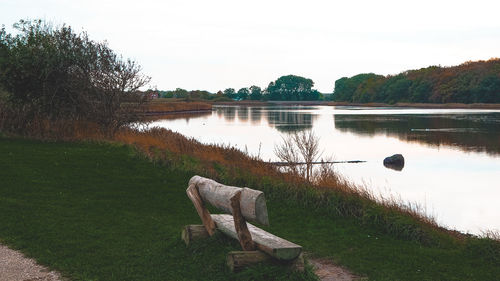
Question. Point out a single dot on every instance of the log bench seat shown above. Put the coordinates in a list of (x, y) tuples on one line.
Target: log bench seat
[(241, 204), (266, 242)]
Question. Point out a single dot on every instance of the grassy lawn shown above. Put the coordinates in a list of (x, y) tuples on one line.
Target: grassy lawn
[(103, 212)]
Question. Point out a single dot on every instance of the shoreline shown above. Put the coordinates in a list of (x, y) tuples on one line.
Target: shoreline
[(401, 104), (176, 112), (423, 105), (176, 107)]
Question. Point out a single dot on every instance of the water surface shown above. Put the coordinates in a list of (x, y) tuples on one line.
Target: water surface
[(452, 156)]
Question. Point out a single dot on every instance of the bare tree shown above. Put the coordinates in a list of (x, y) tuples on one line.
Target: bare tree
[(297, 148), (308, 144), (287, 152)]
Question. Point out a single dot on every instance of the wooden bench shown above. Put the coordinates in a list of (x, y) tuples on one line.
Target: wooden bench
[(242, 204)]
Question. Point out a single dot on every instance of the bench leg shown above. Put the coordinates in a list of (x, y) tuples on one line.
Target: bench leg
[(298, 263), (193, 232), (237, 260), (240, 224), (202, 211)]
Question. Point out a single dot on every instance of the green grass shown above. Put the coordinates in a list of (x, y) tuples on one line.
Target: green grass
[(103, 212), (100, 212)]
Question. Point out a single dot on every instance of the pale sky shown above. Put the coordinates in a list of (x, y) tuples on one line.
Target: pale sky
[(216, 44)]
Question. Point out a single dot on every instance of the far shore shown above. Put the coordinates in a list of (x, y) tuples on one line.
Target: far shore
[(176, 112), (176, 108), (424, 105), (330, 103)]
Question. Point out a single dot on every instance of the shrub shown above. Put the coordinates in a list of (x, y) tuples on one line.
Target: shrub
[(54, 73)]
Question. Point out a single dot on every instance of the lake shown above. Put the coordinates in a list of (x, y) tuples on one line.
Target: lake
[(452, 156)]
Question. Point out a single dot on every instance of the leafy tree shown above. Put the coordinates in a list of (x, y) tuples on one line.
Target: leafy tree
[(255, 93), (351, 89), (395, 89), (342, 91), (165, 94), (230, 93), (270, 93), (311, 95), (420, 91), (466, 83), (179, 93), (200, 94), (243, 93), (488, 90), (291, 87)]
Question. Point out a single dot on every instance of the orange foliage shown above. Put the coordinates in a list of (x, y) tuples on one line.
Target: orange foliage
[(159, 144)]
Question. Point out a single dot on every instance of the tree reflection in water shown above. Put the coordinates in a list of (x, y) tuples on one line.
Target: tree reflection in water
[(281, 118), (468, 132)]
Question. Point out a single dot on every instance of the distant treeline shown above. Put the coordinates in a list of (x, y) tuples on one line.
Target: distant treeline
[(287, 88), (470, 82)]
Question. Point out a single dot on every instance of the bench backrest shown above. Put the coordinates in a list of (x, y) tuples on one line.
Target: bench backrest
[(252, 203)]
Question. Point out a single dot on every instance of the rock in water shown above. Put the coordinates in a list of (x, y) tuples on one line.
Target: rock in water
[(395, 162)]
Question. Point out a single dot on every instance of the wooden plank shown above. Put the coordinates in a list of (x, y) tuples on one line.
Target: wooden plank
[(265, 241), (204, 214), (237, 260), (193, 232), (240, 224), (252, 203)]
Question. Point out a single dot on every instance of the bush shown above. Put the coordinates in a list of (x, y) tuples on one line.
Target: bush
[(55, 74)]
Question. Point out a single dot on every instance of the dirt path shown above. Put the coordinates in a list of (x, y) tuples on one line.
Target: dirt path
[(14, 266), (326, 270)]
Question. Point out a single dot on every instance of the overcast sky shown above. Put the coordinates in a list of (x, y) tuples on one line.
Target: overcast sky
[(213, 45)]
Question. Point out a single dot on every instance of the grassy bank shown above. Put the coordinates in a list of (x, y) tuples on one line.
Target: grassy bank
[(105, 212), (167, 106)]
